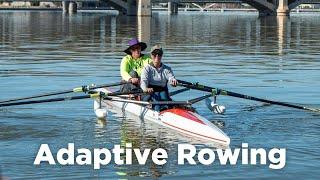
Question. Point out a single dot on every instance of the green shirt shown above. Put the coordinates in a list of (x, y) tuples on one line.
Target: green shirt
[(128, 64)]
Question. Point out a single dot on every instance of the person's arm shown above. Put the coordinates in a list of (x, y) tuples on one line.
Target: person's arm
[(145, 74), (144, 79), (124, 69), (148, 59), (145, 62), (171, 78)]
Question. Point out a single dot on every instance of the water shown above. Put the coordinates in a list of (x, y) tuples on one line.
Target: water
[(265, 57)]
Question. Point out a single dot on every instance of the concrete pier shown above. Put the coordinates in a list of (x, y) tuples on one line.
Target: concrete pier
[(144, 29), (131, 7), (283, 9), (282, 23), (172, 7), (72, 7), (65, 7), (69, 7), (144, 8)]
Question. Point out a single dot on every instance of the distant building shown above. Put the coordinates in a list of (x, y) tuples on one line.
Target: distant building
[(317, 6), (307, 6)]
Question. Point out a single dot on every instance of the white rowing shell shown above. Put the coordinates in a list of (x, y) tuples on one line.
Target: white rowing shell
[(182, 120)]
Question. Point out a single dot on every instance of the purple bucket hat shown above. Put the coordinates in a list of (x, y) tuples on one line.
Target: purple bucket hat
[(134, 42)]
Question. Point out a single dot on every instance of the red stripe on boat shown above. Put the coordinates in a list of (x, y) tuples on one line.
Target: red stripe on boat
[(184, 113)]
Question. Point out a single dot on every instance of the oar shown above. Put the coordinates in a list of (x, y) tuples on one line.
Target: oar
[(99, 94), (195, 100), (217, 91), (178, 91), (188, 102), (77, 89), (147, 102)]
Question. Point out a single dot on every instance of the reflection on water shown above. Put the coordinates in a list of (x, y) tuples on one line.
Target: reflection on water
[(141, 136), (282, 27), (144, 28), (273, 58)]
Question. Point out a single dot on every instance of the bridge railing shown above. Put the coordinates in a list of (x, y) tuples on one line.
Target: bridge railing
[(197, 1), (49, 0)]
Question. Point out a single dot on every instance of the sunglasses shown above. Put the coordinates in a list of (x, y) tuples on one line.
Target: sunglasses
[(156, 54)]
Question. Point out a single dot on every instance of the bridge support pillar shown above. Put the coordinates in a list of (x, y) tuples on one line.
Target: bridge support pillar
[(144, 29), (172, 7), (79, 4), (65, 6), (73, 7), (283, 24), (132, 8), (283, 9), (144, 8)]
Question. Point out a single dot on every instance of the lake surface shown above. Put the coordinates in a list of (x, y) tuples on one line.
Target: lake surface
[(271, 58)]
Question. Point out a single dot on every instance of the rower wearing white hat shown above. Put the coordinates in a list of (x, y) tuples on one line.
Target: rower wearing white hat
[(155, 77)]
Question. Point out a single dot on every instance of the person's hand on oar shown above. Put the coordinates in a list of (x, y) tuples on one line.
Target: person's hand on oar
[(149, 90), (174, 82), (134, 81)]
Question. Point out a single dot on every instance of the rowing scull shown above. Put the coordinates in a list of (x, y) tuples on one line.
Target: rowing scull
[(182, 120)]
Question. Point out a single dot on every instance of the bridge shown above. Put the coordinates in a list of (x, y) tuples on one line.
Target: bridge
[(265, 7), (143, 7)]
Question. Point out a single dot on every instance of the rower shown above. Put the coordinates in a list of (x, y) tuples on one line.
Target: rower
[(155, 77), (132, 65)]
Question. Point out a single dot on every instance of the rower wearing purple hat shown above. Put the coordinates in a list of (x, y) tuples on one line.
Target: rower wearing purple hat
[(132, 64)]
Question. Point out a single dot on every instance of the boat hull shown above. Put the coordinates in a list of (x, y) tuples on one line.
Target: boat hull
[(182, 120)]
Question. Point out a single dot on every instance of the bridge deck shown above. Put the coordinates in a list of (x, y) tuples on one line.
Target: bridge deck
[(163, 1)]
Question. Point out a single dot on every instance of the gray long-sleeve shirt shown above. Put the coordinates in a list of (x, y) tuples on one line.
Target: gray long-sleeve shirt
[(156, 76)]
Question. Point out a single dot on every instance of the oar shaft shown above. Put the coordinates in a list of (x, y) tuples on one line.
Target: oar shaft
[(189, 102), (79, 89), (178, 91), (127, 100), (109, 85), (243, 96), (147, 102), (65, 98), (44, 100), (229, 93), (125, 93), (37, 96), (195, 100)]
